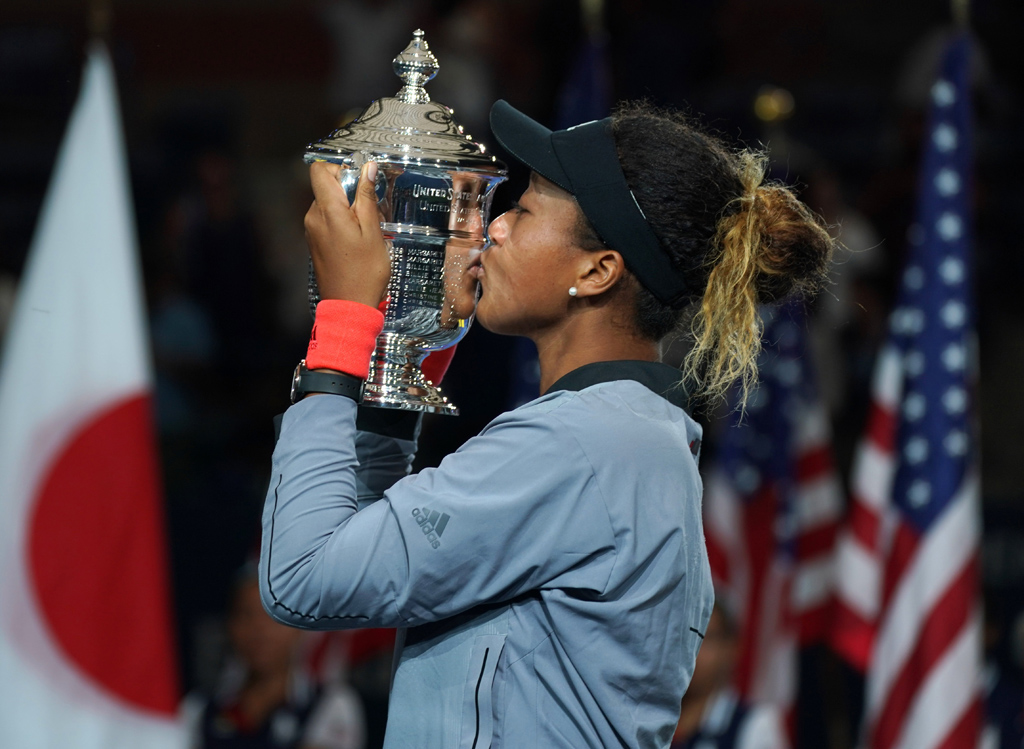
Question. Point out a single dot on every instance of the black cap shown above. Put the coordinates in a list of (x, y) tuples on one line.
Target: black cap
[(583, 161)]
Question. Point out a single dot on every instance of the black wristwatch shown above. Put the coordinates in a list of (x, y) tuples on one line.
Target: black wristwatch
[(306, 381)]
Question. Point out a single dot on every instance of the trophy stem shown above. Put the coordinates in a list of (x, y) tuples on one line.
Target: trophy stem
[(395, 379)]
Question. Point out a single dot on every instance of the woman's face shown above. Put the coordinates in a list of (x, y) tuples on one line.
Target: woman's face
[(526, 273)]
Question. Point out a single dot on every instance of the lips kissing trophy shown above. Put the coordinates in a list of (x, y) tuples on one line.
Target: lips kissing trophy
[(434, 190)]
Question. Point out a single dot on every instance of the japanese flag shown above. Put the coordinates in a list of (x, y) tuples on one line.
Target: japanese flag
[(86, 652)]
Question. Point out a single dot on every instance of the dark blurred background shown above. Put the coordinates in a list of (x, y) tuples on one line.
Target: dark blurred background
[(220, 96)]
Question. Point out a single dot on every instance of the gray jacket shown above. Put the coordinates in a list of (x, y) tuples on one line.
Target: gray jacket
[(549, 579)]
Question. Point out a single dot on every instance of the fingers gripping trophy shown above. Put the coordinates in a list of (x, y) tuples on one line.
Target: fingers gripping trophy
[(434, 188)]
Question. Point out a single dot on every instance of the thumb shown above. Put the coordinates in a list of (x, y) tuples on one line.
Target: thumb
[(365, 204)]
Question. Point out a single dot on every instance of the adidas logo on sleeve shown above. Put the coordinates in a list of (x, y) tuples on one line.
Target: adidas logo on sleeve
[(432, 523)]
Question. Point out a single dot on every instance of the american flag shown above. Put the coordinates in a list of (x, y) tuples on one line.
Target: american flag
[(772, 506), (907, 610)]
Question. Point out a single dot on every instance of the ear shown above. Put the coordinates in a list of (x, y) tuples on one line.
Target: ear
[(600, 272)]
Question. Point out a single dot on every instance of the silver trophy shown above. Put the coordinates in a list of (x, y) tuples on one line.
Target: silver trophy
[(434, 191)]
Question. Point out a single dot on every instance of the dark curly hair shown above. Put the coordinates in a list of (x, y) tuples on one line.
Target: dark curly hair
[(739, 242)]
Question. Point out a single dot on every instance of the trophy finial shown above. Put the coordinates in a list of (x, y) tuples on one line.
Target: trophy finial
[(415, 65)]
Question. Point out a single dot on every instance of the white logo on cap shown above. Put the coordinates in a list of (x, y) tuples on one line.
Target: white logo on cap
[(638, 205)]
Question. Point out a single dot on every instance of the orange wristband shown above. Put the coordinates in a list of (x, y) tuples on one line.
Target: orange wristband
[(343, 338)]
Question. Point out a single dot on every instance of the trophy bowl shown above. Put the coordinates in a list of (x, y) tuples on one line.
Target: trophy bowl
[(434, 190)]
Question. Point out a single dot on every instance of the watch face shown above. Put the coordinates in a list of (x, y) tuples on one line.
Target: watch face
[(305, 382)]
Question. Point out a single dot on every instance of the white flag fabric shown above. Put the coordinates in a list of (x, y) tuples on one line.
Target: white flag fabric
[(86, 651)]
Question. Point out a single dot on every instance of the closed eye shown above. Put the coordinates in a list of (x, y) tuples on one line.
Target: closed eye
[(518, 207)]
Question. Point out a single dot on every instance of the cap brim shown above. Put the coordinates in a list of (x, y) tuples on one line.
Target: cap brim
[(528, 142)]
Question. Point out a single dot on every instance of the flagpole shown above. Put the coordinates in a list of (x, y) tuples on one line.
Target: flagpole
[(593, 16), (961, 10), (101, 15)]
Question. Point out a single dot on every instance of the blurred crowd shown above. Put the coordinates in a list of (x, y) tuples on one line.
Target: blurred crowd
[(218, 101)]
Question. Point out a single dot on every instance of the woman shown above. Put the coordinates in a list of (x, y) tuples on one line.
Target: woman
[(266, 699), (548, 575)]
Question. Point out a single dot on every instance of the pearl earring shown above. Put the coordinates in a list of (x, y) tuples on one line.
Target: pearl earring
[(572, 291)]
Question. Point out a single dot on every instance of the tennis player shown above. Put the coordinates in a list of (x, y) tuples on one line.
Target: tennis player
[(549, 579)]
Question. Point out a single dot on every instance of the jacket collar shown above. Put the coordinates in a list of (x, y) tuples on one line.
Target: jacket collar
[(659, 378)]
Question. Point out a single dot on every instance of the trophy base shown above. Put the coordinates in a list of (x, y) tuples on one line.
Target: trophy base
[(395, 380)]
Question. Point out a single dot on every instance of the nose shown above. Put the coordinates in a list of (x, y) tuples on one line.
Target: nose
[(498, 230)]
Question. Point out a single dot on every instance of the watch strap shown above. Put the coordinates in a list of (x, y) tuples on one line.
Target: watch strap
[(308, 381)]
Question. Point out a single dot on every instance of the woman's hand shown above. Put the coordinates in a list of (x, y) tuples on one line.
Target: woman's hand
[(349, 253)]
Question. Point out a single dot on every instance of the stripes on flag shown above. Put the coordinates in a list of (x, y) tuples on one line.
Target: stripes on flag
[(907, 611), (772, 506)]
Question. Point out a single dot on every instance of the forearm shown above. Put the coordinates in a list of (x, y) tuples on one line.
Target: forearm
[(385, 448), (481, 527), (313, 492), (323, 565)]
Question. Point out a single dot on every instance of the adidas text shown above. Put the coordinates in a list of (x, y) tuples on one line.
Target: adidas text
[(432, 523)]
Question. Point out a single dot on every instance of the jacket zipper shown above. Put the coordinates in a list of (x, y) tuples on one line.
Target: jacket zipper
[(476, 697)]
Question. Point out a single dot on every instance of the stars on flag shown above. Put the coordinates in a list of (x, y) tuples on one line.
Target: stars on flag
[(914, 363), (954, 400), (949, 226), (954, 357), (919, 493), (916, 450), (943, 93), (956, 443), (945, 138), (931, 322), (913, 277), (953, 313), (951, 270), (907, 321), (914, 407), (947, 182)]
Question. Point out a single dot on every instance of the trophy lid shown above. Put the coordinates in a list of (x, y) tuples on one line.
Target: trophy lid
[(409, 128)]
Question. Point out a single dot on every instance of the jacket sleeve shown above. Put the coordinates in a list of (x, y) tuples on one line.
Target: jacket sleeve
[(383, 454), (515, 509)]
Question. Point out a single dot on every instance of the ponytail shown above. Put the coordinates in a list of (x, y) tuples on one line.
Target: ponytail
[(742, 242), (768, 245)]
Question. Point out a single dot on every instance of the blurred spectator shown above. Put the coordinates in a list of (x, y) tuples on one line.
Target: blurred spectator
[(183, 337), (366, 34), (844, 316), (363, 658), (266, 699), (222, 260), (712, 715), (466, 81), (211, 308), (1004, 693), (848, 321)]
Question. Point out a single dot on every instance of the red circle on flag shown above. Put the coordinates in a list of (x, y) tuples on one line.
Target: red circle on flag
[(98, 557)]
